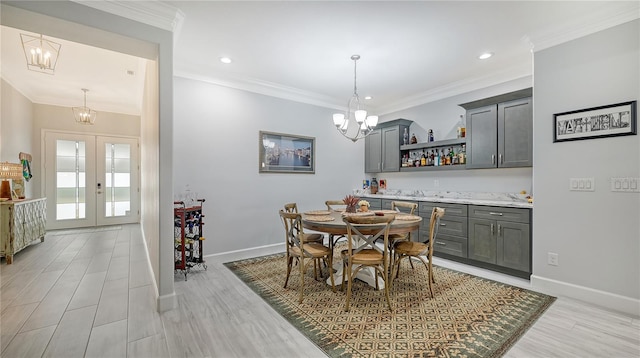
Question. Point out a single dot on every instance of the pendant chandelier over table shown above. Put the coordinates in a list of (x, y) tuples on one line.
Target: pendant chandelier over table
[(355, 112)]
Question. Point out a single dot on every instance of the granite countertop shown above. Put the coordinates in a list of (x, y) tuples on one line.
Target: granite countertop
[(510, 200)]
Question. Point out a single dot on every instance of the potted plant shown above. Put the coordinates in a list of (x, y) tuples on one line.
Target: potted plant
[(364, 205), (351, 202)]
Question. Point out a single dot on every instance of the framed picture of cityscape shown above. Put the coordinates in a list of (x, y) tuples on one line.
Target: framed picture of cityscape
[(286, 153), (598, 122)]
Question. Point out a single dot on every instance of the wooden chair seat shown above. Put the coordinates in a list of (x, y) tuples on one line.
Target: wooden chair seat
[(364, 257), (411, 248), (313, 249)]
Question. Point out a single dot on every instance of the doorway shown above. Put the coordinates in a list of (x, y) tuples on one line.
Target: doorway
[(91, 180)]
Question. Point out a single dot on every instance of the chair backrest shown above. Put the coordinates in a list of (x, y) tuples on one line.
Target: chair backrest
[(434, 223), (293, 229), (369, 229), (335, 205), (411, 207), (291, 208)]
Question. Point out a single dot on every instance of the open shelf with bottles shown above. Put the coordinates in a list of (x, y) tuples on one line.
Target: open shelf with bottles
[(411, 153)]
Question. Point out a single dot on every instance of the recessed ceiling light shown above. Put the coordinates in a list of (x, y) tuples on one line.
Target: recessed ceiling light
[(368, 97), (225, 60), (485, 55)]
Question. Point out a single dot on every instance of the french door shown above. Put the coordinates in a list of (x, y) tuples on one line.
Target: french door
[(91, 180)]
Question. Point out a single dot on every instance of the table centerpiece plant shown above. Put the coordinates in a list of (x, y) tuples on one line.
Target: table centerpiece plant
[(351, 202)]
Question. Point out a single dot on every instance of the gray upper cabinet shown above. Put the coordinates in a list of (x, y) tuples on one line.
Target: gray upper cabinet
[(373, 152), (382, 147), (515, 133), (500, 131)]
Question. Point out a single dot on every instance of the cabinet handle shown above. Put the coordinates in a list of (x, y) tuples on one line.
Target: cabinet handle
[(491, 229), (501, 158), (493, 159), (443, 224), (498, 229), (441, 243), (492, 213)]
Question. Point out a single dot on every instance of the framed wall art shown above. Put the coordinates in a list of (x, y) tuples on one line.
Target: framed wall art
[(286, 153), (598, 122)]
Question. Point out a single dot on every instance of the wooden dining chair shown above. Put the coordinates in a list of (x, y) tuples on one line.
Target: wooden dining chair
[(361, 252), (303, 252), (335, 205), (307, 237), (409, 208), (423, 251)]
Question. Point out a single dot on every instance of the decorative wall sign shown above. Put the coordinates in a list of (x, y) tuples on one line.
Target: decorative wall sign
[(598, 122), (286, 153)]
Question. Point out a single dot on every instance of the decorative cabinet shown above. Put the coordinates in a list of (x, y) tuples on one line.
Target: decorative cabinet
[(21, 223), (500, 131), (412, 151), (500, 236), (451, 239), (382, 147)]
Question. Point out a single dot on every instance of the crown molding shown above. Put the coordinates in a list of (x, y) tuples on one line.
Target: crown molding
[(625, 11), (154, 13), (266, 88)]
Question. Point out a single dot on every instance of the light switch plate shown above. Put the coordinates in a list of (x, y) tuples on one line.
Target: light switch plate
[(582, 184), (625, 184)]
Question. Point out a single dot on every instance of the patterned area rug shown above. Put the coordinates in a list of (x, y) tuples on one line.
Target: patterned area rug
[(469, 316)]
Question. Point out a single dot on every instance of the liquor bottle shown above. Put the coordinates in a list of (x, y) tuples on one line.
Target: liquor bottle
[(406, 136), (451, 156), (442, 159), (462, 155), (414, 140), (447, 157), (430, 139), (436, 159), (423, 160)]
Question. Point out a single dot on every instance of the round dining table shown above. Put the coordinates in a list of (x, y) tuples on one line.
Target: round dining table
[(331, 222)]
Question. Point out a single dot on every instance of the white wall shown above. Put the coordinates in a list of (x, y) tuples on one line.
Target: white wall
[(595, 234), (443, 116), (16, 128), (216, 154)]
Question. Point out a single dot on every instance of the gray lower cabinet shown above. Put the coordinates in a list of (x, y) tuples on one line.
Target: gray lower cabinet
[(451, 238), (374, 204), (500, 236)]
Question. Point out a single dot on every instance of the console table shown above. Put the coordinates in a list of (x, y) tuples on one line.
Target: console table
[(21, 223)]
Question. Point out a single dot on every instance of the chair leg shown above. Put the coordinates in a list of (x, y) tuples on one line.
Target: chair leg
[(302, 269), (289, 265), (429, 274), (346, 307), (330, 264), (385, 275)]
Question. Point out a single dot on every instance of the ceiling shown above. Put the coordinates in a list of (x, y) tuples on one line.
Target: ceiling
[(412, 52)]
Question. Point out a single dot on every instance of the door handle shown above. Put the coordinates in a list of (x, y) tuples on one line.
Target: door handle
[(493, 159), (492, 229)]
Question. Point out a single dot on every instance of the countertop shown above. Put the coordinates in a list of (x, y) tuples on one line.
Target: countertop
[(510, 200)]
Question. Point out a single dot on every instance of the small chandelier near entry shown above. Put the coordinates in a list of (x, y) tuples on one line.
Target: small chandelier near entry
[(41, 54), (84, 115), (364, 124)]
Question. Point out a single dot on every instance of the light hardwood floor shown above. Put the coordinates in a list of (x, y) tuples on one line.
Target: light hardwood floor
[(89, 292)]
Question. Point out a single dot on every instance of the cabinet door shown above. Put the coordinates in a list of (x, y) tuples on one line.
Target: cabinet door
[(482, 240), (513, 245), (482, 137), (515, 133), (391, 149), (373, 152)]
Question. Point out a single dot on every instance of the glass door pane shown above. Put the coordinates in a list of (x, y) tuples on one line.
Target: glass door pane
[(70, 179)]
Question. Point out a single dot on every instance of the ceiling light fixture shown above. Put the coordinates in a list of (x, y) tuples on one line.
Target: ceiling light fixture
[(84, 114), (485, 55), (225, 60), (41, 54), (364, 124)]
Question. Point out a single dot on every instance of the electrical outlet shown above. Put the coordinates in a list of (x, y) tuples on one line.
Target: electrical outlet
[(436, 183), (552, 259)]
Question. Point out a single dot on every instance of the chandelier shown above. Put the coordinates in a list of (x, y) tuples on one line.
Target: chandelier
[(41, 54), (84, 114), (364, 124)]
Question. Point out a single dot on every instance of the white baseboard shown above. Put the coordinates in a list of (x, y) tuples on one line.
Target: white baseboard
[(608, 300), (166, 302), (247, 253)]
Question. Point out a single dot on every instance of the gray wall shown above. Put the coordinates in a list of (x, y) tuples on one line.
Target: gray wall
[(216, 155), (595, 234), (16, 130)]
